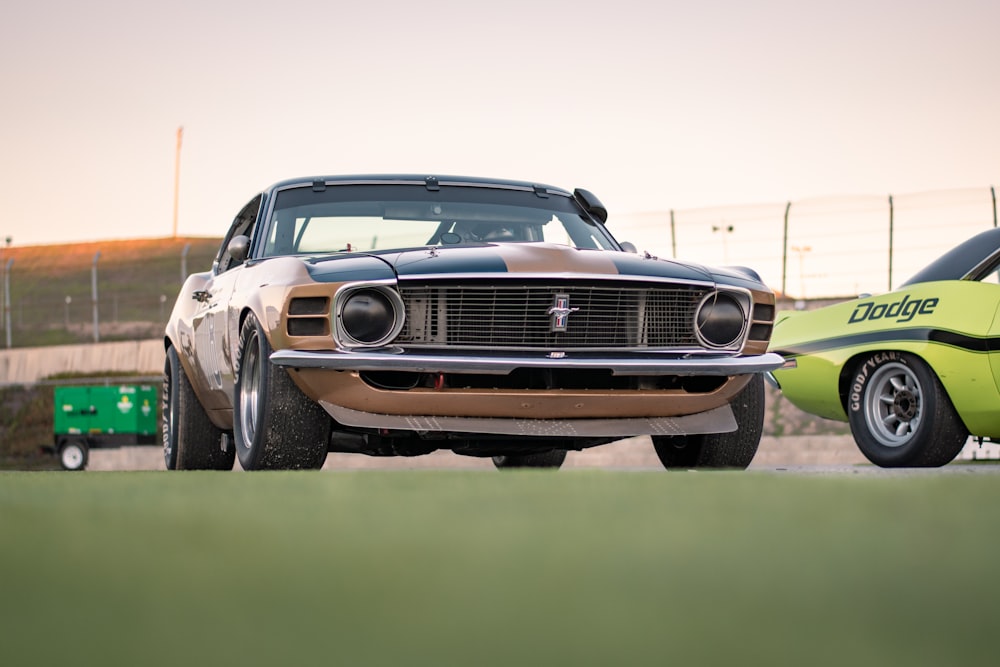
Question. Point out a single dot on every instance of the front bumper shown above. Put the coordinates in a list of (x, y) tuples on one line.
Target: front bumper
[(717, 420), (635, 363)]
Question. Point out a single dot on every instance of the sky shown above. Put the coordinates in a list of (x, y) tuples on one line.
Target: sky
[(650, 105)]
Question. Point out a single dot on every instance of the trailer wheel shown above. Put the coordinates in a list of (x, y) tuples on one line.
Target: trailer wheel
[(73, 454)]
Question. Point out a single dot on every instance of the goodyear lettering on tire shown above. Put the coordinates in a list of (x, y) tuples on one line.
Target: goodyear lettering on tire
[(861, 379)]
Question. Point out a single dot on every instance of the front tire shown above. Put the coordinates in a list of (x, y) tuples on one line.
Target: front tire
[(276, 427), (190, 440), (719, 450), (900, 414)]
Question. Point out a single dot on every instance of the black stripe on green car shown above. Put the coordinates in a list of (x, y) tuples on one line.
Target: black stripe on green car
[(918, 334)]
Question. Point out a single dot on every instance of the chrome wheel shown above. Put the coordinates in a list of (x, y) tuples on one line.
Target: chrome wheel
[(893, 405), (250, 389), (275, 426)]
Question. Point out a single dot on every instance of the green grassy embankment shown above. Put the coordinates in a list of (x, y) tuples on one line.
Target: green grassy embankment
[(132, 276), (476, 568)]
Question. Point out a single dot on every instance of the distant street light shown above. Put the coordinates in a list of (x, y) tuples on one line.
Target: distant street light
[(69, 300), (163, 300), (726, 231)]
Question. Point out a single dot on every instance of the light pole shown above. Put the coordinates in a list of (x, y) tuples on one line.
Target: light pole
[(177, 175), (69, 300), (726, 231)]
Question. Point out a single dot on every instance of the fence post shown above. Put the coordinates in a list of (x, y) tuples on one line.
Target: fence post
[(784, 254), (890, 242), (6, 292), (93, 286), (184, 262), (993, 193)]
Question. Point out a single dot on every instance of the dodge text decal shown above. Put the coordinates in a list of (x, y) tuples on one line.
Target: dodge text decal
[(901, 311)]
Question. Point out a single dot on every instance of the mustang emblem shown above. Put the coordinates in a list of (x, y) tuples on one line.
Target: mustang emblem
[(560, 312)]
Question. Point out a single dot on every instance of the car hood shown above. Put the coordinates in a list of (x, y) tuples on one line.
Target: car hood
[(528, 259)]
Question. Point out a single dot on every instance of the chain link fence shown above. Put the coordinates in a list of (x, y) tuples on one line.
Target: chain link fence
[(830, 247), (823, 248)]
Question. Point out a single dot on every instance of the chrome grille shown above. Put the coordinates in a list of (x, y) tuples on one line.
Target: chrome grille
[(602, 316)]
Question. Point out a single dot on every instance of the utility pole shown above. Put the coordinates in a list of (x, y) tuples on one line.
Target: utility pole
[(177, 175), (890, 242)]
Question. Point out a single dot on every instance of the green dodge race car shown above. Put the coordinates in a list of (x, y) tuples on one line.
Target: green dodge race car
[(915, 371)]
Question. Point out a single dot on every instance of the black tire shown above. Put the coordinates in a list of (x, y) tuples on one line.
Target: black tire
[(190, 440), (551, 459), (73, 454), (900, 414), (275, 426), (720, 450)]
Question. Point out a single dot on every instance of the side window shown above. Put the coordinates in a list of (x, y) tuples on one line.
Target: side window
[(242, 224)]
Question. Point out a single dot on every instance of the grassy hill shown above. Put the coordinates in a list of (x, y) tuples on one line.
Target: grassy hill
[(137, 280)]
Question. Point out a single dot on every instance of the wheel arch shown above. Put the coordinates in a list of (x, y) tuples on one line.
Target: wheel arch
[(850, 365)]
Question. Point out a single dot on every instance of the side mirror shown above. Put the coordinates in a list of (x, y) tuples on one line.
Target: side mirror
[(239, 248), (628, 246), (591, 204)]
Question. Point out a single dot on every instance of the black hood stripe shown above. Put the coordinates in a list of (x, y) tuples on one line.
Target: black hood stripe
[(921, 335)]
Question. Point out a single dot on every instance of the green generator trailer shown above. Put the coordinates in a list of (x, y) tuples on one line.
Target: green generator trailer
[(89, 417)]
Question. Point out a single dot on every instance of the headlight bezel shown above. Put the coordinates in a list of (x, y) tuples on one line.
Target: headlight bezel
[(725, 340), (346, 334)]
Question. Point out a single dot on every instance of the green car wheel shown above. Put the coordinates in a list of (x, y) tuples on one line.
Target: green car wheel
[(900, 415)]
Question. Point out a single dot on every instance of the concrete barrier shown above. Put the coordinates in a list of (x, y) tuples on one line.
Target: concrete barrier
[(29, 365)]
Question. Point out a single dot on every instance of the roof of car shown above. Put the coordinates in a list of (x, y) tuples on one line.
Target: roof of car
[(417, 179), (960, 261)]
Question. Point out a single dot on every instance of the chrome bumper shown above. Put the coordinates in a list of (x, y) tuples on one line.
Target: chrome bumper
[(636, 363)]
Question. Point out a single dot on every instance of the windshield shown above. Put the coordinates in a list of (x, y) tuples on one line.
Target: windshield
[(364, 218)]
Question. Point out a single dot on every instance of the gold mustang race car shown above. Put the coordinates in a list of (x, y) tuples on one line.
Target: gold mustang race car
[(397, 315)]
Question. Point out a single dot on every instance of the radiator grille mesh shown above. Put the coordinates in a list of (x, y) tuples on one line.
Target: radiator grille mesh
[(519, 316)]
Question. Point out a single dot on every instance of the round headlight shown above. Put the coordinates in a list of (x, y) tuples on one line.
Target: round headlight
[(368, 317), (720, 321)]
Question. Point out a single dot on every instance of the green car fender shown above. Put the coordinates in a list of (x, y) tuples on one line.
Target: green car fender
[(953, 326)]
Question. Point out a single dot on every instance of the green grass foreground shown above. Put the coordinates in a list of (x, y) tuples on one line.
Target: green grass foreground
[(483, 568)]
